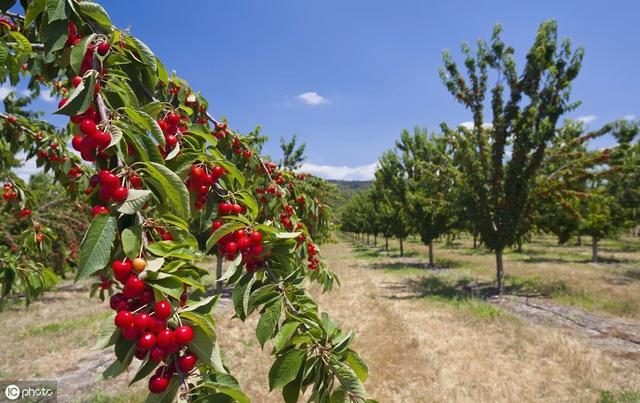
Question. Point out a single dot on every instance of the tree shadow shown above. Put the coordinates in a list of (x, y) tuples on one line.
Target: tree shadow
[(441, 264)]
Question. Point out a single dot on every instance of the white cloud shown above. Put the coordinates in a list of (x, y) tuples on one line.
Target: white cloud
[(312, 98), (47, 97), (586, 119), (362, 172), (629, 117), (28, 168), (4, 91), (469, 125)]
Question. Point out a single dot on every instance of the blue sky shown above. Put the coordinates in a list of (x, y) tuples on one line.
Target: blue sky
[(347, 76)]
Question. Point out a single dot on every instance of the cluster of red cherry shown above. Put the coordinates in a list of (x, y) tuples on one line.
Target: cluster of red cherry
[(312, 259), (138, 320), (8, 193), (171, 128), (110, 188), (285, 217), (93, 140), (245, 241), (201, 178)]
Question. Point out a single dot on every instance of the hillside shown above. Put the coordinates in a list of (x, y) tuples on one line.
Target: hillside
[(347, 189)]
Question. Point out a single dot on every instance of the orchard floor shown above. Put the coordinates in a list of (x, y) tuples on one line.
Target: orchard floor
[(427, 335)]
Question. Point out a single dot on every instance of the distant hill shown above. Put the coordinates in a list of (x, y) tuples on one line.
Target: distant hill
[(347, 189)]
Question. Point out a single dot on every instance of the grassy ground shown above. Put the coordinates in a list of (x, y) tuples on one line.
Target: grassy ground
[(423, 339), (563, 272)]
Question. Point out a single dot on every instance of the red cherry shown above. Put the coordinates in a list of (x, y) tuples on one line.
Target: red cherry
[(121, 269), (187, 362), (158, 384), (88, 127), (157, 355), (231, 248), (103, 48), (142, 321), (216, 224), (197, 172), (136, 182), (157, 325), (76, 143), (120, 194), (256, 237), (162, 310), (171, 140), (95, 210), (244, 243), (105, 193), (88, 144), (108, 179), (130, 333), (75, 81), (139, 354), (102, 139), (39, 238), (165, 338), (146, 296), (147, 341), (217, 171), (183, 335), (133, 287), (257, 250), (124, 319), (163, 126), (62, 102), (115, 300), (236, 208), (173, 118), (122, 306)]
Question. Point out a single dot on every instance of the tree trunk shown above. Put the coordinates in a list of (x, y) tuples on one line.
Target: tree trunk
[(500, 271), (431, 254), (367, 238), (475, 240), (219, 274), (386, 243), (401, 248), (519, 250), (579, 240), (375, 240), (594, 249)]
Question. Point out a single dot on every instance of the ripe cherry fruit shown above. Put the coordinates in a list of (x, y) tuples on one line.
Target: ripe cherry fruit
[(119, 194), (133, 287), (162, 310), (187, 362), (183, 335), (165, 338), (121, 269), (142, 321), (124, 319), (158, 384), (147, 341)]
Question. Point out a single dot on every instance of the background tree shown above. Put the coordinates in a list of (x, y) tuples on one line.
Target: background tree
[(624, 185), (391, 185), (292, 156), (432, 184), (525, 110)]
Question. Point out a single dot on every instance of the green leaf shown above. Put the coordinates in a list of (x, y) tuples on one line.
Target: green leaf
[(108, 333), (147, 122), (204, 322), (170, 188), (136, 199), (281, 338), (358, 366), (81, 98), (132, 241), (146, 54), (206, 349), (250, 203), (57, 10), (35, 8), (96, 13), (233, 392), (125, 349), (222, 231), (95, 249), (170, 286), (78, 51), (268, 322), (203, 306), (288, 235), (144, 370), (285, 368), (55, 36), (348, 378)]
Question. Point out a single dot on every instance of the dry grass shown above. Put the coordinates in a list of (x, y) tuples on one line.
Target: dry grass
[(418, 349)]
